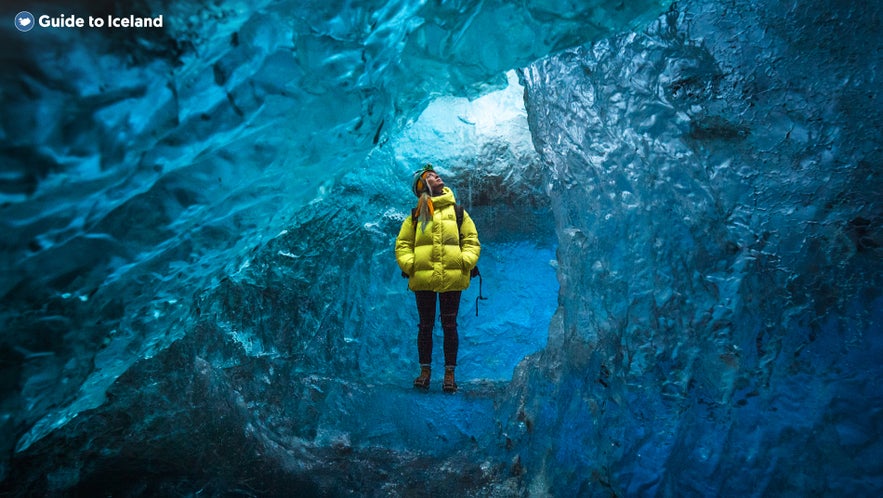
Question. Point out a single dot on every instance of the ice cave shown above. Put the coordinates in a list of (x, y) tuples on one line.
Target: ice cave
[(680, 207)]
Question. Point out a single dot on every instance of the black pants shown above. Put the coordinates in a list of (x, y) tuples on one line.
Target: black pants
[(449, 302)]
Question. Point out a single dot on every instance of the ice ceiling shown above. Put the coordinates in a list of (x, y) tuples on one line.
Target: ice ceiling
[(680, 215)]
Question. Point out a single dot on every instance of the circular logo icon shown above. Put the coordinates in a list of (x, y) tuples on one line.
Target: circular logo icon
[(24, 21)]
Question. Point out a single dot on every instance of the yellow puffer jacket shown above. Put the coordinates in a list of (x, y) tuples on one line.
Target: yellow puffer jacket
[(436, 259)]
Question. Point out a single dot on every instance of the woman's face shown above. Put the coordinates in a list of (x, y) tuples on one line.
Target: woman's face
[(434, 182)]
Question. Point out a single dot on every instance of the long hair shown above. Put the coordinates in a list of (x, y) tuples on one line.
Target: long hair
[(425, 209)]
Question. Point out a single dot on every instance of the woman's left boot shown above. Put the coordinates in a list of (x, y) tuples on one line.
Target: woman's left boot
[(448, 385)]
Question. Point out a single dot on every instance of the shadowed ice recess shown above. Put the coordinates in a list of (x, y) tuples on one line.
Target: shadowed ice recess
[(678, 204)]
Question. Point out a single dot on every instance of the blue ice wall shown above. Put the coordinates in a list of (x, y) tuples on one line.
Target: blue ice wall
[(681, 250), (716, 184)]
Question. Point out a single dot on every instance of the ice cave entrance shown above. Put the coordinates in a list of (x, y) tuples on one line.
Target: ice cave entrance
[(485, 147)]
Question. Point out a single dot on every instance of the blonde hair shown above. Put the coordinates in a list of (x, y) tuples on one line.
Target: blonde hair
[(425, 210)]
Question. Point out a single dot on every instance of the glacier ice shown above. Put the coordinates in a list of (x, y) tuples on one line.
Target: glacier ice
[(709, 176), (680, 219)]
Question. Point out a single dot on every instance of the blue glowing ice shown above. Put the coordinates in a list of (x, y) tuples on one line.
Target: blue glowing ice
[(681, 235)]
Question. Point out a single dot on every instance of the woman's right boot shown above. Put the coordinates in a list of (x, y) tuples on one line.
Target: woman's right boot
[(422, 382)]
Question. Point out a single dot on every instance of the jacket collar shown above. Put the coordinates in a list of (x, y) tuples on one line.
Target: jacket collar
[(446, 198)]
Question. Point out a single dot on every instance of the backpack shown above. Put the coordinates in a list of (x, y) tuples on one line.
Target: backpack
[(458, 209)]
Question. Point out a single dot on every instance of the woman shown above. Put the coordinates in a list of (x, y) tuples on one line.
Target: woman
[(437, 254)]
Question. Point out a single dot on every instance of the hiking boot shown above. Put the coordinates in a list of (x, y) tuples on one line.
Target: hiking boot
[(422, 382), (448, 385)]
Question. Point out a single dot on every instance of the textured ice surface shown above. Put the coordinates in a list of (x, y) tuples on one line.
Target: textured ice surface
[(716, 185), (681, 252)]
